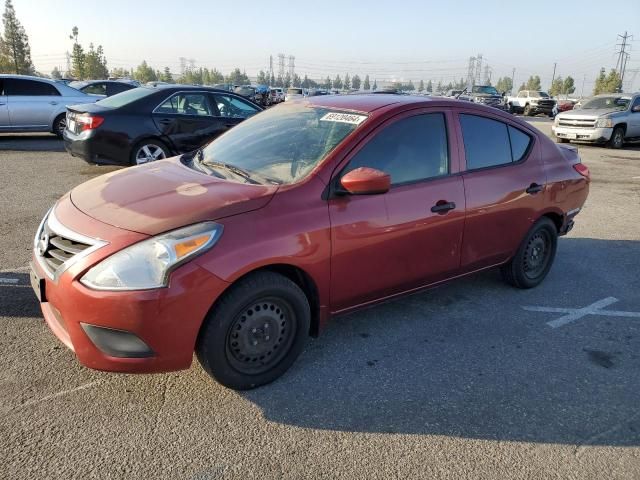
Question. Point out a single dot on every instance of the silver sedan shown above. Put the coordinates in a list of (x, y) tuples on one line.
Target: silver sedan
[(34, 104)]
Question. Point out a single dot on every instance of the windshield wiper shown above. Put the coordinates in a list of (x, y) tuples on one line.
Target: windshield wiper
[(231, 168), (197, 159)]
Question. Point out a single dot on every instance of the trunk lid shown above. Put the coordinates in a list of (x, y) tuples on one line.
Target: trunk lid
[(165, 195)]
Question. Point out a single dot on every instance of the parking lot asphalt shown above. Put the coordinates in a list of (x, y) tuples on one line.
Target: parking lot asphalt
[(474, 379)]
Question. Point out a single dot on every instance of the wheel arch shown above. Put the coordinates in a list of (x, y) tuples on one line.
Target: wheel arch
[(556, 216), (298, 276), (621, 124)]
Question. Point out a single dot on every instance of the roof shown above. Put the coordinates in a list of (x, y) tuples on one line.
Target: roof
[(367, 103), (26, 77)]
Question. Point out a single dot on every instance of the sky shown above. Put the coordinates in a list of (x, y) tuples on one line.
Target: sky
[(411, 40)]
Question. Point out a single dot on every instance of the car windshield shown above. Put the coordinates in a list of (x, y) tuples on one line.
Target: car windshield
[(78, 84), (539, 94), (280, 145), (294, 91), (126, 97), (244, 91), (613, 102), (485, 89)]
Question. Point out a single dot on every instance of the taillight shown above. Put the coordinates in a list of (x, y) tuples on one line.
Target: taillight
[(583, 170), (89, 122)]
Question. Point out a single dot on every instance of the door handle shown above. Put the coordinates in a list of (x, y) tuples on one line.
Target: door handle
[(53, 103), (534, 188), (165, 121), (443, 207)]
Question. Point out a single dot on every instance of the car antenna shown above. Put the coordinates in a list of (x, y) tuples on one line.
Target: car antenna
[(463, 90)]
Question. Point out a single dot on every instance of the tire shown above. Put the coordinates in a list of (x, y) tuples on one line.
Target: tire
[(59, 124), (617, 138), (237, 346), (148, 151), (562, 140), (527, 268), (527, 111)]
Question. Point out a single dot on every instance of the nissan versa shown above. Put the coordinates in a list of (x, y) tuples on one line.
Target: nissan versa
[(242, 249)]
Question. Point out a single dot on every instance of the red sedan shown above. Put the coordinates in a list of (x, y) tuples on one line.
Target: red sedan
[(240, 250)]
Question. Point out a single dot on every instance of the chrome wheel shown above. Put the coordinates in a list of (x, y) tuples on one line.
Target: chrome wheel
[(261, 335), (149, 153), (617, 139)]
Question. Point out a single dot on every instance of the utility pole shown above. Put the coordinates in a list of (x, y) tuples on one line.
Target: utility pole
[(281, 66), (554, 75), (513, 78), (584, 78), (621, 64), (471, 72), (478, 68)]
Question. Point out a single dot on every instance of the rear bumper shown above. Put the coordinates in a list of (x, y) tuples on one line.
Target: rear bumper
[(582, 134), (90, 147)]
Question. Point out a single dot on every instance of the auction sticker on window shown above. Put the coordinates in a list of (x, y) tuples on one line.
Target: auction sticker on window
[(344, 118)]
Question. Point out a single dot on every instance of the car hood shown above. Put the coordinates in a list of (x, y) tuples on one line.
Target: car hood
[(596, 112), (165, 195)]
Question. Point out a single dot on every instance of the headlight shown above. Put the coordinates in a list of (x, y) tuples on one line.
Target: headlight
[(604, 123), (556, 120), (147, 264)]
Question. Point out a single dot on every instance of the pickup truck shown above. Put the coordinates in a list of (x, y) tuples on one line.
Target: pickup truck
[(531, 102), (485, 95), (611, 118)]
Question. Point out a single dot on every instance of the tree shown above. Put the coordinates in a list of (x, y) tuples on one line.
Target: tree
[(557, 87), (144, 73), (533, 83), (410, 86), (296, 81), (15, 52), (504, 84), (356, 82), (569, 85), (522, 87), (337, 83), (366, 85), (607, 83), (306, 83), (120, 73), (95, 65), (55, 74), (262, 78), (429, 86), (375, 85), (236, 77), (347, 82), (421, 86), (272, 80), (439, 87)]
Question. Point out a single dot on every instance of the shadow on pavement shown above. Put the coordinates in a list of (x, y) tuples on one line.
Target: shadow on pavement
[(45, 142), (466, 360), (17, 299)]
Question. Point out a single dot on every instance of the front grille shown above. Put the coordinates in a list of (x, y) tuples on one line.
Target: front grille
[(577, 122), (56, 246), (56, 249)]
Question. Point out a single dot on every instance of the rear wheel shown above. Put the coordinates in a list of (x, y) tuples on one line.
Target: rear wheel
[(535, 255), (617, 138), (148, 151), (59, 124), (255, 332)]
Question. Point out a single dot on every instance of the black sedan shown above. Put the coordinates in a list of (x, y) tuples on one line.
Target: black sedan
[(151, 123), (103, 87)]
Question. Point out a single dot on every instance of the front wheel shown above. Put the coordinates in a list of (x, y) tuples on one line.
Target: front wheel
[(527, 111), (562, 140), (255, 331), (534, 257), (617, 138)]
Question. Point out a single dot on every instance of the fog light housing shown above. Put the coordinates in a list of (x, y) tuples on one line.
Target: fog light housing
[(117, 343)]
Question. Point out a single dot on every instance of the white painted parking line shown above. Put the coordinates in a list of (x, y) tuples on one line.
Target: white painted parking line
[(573, 314), (16, 269), (9, 281)]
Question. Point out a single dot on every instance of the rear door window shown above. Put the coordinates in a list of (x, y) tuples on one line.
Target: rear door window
[(489, 143), (186, 104), (19, 86), (95, 89)]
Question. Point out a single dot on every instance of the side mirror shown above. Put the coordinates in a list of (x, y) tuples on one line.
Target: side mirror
[(635, 109), (366, 181)]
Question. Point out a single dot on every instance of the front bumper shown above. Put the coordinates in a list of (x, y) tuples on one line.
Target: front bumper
[(582, 134), (166, 320), (546, 109)]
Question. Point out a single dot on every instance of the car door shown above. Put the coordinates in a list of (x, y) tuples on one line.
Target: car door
[(113, 88), (388, 243), (32, 103), (188, 120), (4, 109), (633, 129), (232, 109), (504, 183)]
